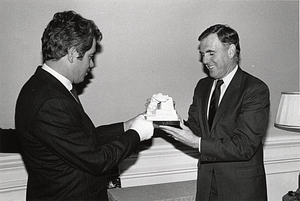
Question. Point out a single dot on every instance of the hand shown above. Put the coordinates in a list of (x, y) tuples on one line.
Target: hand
[(143, 127), (127, 124), (184, 135)]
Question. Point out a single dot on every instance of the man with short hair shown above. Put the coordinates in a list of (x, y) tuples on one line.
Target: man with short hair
[(66, 156), (227, 122)]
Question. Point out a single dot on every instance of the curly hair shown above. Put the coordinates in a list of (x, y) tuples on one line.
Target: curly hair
[(68, 29), (225, 34)]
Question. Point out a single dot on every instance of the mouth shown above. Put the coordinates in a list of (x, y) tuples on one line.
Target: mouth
[(87, 71), (209, 67)]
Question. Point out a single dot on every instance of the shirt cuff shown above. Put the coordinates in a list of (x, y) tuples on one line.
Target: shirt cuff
[(199, 149)]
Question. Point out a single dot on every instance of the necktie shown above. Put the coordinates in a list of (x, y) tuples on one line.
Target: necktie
[(214, 102), (75, 95)]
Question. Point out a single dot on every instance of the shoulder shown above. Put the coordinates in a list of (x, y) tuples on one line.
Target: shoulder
[(41, 88), (204, 82), (253, 88), (251, 81), (35, 90)]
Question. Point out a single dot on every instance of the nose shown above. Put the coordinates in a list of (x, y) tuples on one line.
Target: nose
[(92, 64), (204, 59)]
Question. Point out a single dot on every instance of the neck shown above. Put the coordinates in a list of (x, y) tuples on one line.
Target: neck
[(59, 66)]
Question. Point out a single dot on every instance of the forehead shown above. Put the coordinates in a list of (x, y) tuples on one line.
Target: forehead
[(211, 42)]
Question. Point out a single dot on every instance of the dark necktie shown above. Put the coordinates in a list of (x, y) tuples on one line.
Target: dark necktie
[(214, 102), (75, 95)]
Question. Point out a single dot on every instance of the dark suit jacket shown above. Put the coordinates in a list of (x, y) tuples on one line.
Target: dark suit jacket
[(66, 157), (233, 148)]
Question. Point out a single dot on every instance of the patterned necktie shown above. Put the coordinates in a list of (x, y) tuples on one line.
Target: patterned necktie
[(214, 103), (75, 95)]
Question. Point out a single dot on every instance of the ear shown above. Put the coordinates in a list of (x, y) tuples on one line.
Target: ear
[(72, 54), (231, 50)]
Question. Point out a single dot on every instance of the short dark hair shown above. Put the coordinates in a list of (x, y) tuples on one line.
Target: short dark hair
[(225, 34), (68, 29)]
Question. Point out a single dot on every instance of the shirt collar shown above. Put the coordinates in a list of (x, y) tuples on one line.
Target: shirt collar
[(227, 79), (67, 83)]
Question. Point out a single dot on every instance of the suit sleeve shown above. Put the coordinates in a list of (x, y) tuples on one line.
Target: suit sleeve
[(63, 127), (110, 132), (239, 134), (193, 114)]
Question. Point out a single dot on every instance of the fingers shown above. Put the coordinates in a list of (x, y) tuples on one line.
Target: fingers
[(182, 125), (163, 127), (173, 132), (175, 138)]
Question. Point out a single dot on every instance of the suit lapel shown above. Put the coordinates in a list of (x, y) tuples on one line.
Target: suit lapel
[(204, 105), (230, 94)]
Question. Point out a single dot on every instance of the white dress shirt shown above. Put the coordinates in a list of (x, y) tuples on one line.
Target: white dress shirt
[(67, 83), (227, 79)]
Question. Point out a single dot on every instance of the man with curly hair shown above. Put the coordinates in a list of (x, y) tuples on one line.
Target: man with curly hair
[(66, 156)]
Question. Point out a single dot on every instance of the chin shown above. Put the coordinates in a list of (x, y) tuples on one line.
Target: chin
[(214, 75), (78, 81), (211, 74)]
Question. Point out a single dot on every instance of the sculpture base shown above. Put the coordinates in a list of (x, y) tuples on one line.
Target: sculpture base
[(168, 123)]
